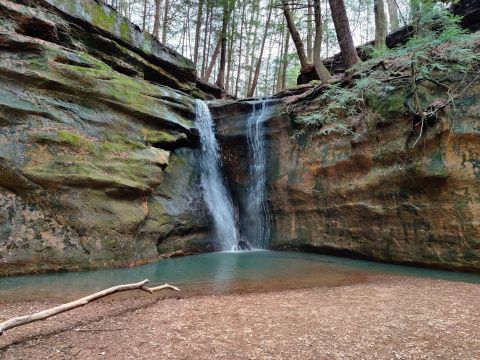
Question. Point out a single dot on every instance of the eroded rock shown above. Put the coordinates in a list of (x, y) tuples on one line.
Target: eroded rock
[(94, 114)]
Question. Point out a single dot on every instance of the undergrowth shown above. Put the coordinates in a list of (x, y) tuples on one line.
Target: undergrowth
[(440, 54)]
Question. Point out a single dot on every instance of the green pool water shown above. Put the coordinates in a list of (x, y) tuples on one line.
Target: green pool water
[(222, 272)]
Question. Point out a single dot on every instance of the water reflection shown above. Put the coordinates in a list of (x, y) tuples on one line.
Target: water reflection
[(223, 272)]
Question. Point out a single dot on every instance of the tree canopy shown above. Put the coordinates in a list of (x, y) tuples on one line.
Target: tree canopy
[(258, 47)]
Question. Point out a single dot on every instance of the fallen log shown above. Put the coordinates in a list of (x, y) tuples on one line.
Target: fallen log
[(45, 314)]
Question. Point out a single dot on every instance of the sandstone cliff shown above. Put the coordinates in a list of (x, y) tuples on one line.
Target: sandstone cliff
[(376, 191), (97, 141), (368, 184)]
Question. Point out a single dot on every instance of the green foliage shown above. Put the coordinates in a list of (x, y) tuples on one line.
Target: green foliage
[(340, 102), (337, 104), (442, 52)]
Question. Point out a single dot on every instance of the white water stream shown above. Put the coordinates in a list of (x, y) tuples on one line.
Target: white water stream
[(214, 189), (258, 229)]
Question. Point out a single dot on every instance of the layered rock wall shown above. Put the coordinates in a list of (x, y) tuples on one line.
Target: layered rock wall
[(380, 191), (366, 195), (97, 141)]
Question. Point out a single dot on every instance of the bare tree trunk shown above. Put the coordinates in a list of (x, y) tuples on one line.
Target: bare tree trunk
[(279, 58), (144, 17), (321, 70), (297, 40), (285, 60), (259, 60), (156, 20), (206, 40), (253, 50), (213, 60), (344, 36), (380, 24), (183, 38), (393, 15), (267, 77), (165, 22), (223, 47), (45, 314), (309, 31), (327, 35), (231, 40), (240, 48), (189, 39), (249, 28), (198, 29)]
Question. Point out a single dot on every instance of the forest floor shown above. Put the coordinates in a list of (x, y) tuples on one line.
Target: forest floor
[(389, 317)]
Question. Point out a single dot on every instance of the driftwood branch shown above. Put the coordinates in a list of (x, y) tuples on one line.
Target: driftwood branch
[(42, 315)]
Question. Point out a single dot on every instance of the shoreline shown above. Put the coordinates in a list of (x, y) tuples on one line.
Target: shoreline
[(390, 316)]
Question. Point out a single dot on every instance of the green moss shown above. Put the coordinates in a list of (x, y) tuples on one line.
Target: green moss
[(101, 17), (69, 137), (162, 137), (147, 44), (73, 140), (389, 105), (125, 31)]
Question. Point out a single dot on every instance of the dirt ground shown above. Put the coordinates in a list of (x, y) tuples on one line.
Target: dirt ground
[(391, 317)]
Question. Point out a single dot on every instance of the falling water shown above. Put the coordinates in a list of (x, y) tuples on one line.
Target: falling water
[(258, 230), (214, 189)]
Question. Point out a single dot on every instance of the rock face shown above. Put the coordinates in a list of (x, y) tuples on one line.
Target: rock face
[(370, 193), (97, 141), (231, 127), (362, 195)]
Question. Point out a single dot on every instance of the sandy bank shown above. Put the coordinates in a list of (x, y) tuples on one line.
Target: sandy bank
[(391, 317)]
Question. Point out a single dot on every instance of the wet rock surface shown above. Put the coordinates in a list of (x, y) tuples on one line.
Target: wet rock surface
[(95, 117), (371, 193), (368, 198)]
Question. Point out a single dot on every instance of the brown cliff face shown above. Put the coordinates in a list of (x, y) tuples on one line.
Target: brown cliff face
[(369, 198), (331, 194), (366, 187), (97, 141)]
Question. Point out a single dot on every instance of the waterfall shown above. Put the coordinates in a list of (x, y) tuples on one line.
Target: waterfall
[(213, 186), (258, 225)]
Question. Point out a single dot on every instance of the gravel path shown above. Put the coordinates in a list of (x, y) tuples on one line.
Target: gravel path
[(392, 317)]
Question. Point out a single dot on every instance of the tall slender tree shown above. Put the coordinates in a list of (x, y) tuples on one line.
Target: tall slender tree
[(165, 21), (213, 59), (144, 17), (309, 31), (223, 45), (231, 39), (198, 30), (259, 59), (344, 36), (242, 26), (380, 24), (285, 60), (253, 47), (207, 39), (297, 40), (157, 19), (393, 15), (321, 70)]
